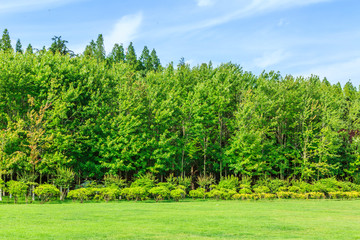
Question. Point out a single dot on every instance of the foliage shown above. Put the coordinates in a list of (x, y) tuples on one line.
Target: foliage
[(46, 191), (160, 193), (197, 193), (17, 189), (177, 194), (135, 193), (80, 194), (229, 182)]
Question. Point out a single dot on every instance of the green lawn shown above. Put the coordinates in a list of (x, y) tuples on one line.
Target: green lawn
[(279, 219)]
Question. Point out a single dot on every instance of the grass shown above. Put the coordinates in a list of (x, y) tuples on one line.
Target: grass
[(279, 219)]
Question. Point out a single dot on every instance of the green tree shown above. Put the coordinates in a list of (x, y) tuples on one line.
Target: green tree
[(18, 47), (100, 48), (155, 61), (117, 54), (130, 56), (59, 46), (5, 41), (29, 49)]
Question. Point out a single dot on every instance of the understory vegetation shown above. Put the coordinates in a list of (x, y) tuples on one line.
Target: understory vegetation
[(121, 126)]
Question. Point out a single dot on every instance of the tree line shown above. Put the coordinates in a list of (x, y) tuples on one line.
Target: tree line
[(124, 116)]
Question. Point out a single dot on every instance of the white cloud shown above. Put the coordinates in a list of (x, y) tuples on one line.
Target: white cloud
[(271, 58), (252, 8), (26, 5), (124, 31), (205, 3), (338, 71)]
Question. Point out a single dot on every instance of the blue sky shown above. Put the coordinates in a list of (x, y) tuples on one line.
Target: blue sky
[(297, 37)]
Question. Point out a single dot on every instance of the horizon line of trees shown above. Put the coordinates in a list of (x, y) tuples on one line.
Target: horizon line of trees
[(126, 116)]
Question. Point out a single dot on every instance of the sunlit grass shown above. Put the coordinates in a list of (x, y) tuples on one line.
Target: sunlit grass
[(279, 219)]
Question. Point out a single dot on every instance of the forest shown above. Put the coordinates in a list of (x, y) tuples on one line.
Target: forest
[(98, 115)]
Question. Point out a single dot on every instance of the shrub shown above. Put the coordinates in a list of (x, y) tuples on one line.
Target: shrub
[(197, 193), (315, 195), (344, 195), (294, 189), (215, 193), (283, 189), (245, 191), (304, 186), (229, 182), (107, 193), (160, 193), (262, 189), (16, 189), (276, 184), (146, 181), (268, 196), (185, 181), (46, 191), (205, 181), (135, 193), (177, 194), (114, 180), (283, 195), (79, 194)]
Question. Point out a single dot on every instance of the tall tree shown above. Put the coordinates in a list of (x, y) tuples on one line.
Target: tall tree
[(117, 54), (100, 48), (130, 56), (90, 49), (145, 59), (155, 61), (18, 47), (29, 49), (5, 41), (59, 46)]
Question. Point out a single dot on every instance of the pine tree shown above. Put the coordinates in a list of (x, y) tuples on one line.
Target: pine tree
[(5, 41), (18, 47), (117, 54), (29, 49), (130, 56), (145, 59), (59, 46), (90, 49), (155, 61), (100, 49)]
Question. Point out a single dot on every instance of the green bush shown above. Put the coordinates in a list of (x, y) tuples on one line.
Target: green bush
[(294, 189), (17, 189), (283, 195), (229, 182), (262, 189), (315, 195), (197, 193), (245, 191), (135, 193), (46, 191), (177, 194), (160, 193), (276, 184), (185, 181), (107, 193), (146, 181), (80, 194)]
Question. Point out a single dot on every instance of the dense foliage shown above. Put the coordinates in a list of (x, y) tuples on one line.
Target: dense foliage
[(65, 117)]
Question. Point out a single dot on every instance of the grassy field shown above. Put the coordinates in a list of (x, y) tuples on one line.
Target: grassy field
[(279, 219)]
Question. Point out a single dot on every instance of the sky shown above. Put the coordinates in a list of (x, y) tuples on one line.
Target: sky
[(297, 37)]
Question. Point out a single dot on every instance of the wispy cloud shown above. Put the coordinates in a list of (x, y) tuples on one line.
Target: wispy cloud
[(124, 31), (271, 58), (249, 9), (26, 5), (205, 3)]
